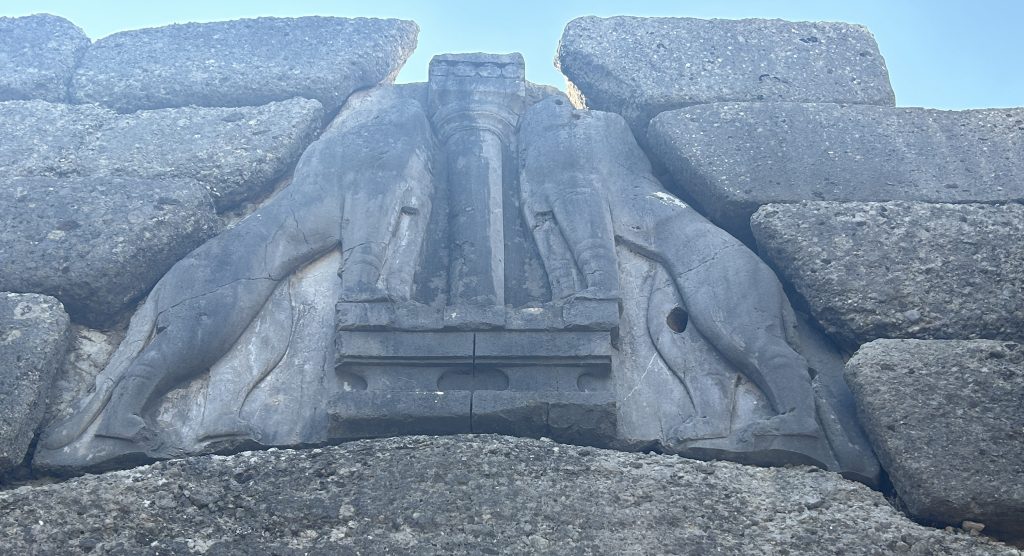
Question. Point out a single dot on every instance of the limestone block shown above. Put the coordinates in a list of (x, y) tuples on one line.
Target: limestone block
[(732, 158), (33, 340), (946, 420), (38, 54), (97, 244), (243, 62), (236, 153), (640, 66), (902, 269), (465, 495)]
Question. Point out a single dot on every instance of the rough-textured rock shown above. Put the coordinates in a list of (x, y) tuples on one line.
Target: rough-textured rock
[(243, 62), (700, 363), (88, 352), (33, 341), (236, 153), (947, 421), (97, 244), (902, 269), (640, 66), (734, 157), (463, 495), (38, 54), (242, 329)]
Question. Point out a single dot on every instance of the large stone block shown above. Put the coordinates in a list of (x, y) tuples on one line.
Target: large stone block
[(34, 331), (236, 153), (902, 269), (734, 157), (640, 66), (947, 422), (478, 494), (38, 54), (243, 62), (97, 244)]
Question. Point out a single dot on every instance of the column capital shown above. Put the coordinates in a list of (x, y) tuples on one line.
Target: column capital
[(476, 91)]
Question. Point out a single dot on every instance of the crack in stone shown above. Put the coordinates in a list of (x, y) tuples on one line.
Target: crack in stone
[(640, 380)]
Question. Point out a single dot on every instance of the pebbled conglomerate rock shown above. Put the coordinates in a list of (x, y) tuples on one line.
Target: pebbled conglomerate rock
[(34, 331), (732, 158), (236, 153), (463, 495), (97, 244), (640, 66), (243, 62), (38, 54), (946, 418), (902, 269)]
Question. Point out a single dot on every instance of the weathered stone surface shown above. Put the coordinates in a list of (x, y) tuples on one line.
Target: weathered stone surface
[(902, 269), (236, 153), (734, 157), (220, 325), (640, 66), (701, 366), (242, 328), (33, 341), (97, 244), (89, 350), (463, 495), (946, 419), (243, 62), (38, 54)]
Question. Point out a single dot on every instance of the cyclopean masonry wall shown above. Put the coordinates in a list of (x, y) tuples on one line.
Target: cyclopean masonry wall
[(640, 67), (99, 205), (475, 254), (887, 222)]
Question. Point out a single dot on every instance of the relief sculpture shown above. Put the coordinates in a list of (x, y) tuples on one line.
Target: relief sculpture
[(471, 255), (708, 280), (354, 190), (729, 294)]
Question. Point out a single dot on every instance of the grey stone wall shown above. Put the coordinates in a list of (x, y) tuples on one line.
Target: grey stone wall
[(237, 154), (640, 67), (735, 157), (902, 269), (479, 494), (98, 244), (34, 331), (243, 63), (95, 205), (890, 226), (945, 418), (38, 55)]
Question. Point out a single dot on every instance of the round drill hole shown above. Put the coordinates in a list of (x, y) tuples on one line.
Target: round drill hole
[(677, 320)]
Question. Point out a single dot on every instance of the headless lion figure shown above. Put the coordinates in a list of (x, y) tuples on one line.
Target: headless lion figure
[(572, 214), (598, 184), (358, 186)]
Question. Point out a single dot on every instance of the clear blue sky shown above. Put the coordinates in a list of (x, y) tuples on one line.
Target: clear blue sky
[(951, 54)]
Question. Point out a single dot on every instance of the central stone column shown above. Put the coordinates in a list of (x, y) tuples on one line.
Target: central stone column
[(475, 101), (475, 354)]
